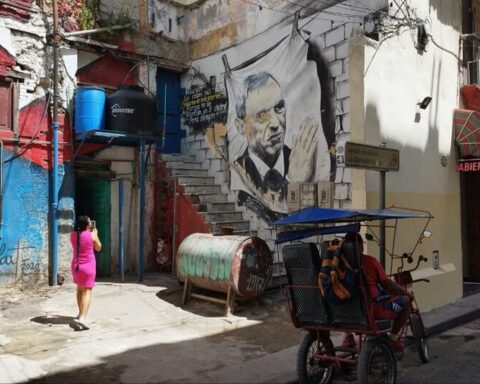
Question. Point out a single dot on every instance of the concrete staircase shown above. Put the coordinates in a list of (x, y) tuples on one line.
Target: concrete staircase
[(218, 206)]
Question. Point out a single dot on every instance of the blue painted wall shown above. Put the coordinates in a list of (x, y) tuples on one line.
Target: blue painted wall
[(24, 233)]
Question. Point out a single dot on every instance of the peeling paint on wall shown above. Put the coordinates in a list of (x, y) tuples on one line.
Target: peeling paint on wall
[(24, 229), (219, 38)]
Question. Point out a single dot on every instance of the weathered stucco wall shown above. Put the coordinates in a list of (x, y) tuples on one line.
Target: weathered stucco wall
[(373, 105), (398, 78), (216, 25), (27, 166), (211, 118)]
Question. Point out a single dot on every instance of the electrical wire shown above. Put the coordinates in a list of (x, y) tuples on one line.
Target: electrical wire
[(23, 149), (323, 10), (443, 49)]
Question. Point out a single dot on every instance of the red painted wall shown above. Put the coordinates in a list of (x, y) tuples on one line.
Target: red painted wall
[(187, 218), (34, 122), (7, 61), (107, 71)]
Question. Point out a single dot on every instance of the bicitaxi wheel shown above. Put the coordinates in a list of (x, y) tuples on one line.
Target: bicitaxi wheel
[(421, 340), (377, 362), (310, 368)]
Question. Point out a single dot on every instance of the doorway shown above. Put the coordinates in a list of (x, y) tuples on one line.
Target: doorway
[(471, 193), (169, 96), (93, 199)]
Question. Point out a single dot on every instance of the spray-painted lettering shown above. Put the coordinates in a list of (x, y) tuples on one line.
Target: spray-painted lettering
[(258, 284), (5, 259), (29, 266), (206, 265)]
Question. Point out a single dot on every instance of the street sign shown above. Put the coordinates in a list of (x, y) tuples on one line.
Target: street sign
[(371, 157)]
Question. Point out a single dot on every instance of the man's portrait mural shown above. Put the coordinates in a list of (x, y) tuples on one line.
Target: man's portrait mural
[(279, 124)]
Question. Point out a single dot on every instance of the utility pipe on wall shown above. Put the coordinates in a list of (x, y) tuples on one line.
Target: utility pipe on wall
[(141, 239), (54, 189), (121, 265)]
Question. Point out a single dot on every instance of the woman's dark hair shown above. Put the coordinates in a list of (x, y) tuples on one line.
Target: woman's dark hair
[(82, 223), (352, 236), (80, 226)]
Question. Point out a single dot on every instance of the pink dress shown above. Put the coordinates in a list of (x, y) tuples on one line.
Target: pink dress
[(87, 266)]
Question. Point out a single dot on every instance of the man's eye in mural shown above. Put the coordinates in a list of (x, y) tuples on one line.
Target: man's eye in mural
[(280, 107), (265, 116)]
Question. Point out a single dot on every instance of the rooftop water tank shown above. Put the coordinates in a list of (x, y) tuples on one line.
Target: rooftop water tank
[(130, 110), (89, 109)]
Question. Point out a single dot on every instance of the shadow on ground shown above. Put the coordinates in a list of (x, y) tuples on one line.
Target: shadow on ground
[(235, 356)]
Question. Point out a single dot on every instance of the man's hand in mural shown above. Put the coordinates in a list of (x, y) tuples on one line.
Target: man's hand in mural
[(302, 157)]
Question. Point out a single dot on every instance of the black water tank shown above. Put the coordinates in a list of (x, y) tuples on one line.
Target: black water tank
[(129, 109)]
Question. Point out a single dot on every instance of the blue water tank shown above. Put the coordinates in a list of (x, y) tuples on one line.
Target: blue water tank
[(89, 109)]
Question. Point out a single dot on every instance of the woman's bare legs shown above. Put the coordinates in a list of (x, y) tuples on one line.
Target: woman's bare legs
[(83, 300), (86, 297), (79, 300)]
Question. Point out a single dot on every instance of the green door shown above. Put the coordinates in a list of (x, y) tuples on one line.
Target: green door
[(93, 200)]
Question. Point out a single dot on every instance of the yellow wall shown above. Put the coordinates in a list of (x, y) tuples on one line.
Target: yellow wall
[(387, 80), (446, 283)]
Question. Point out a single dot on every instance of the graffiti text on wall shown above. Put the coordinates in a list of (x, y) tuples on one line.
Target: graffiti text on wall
[(24, 265), (5, 259), (202, 106)]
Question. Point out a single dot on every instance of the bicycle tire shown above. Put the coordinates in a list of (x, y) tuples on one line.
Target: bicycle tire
[(421, 340), (377, 362), (309, 369)]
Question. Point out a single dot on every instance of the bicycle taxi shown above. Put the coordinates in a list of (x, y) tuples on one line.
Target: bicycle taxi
[(318, 358)]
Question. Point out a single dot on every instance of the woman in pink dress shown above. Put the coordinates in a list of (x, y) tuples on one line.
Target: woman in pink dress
[(84, 241)]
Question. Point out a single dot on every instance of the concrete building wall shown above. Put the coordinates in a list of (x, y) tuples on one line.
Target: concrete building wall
[(375, 86), (211, 127), (26, 158), (396, 77)]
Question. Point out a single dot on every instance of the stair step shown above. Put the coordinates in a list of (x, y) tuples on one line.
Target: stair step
[(223, 216), (188, 172), (177, 157), (238, 233), (237, 225), (200, 189), (216, 207), (196, 180), (200, 199), (184, 164)]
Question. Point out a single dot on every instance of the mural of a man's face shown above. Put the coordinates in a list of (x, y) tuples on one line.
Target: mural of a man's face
[(264, 121)]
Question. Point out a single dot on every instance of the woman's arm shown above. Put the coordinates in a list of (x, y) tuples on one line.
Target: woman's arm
[(97, 245)]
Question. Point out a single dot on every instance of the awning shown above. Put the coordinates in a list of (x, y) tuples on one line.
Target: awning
[(467, 133)]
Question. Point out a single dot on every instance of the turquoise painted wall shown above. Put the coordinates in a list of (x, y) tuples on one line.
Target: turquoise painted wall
[(24, 231)]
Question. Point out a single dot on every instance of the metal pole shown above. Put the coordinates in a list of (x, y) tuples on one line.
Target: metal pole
[(54, 208), (174, 266), (382, 222), (141, 250), (121, 265)]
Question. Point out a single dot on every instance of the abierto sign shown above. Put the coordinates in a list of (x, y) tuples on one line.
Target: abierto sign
[(371, 157), (469, 165)]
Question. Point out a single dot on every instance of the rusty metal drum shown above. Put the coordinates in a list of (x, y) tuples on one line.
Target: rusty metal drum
[(243, 263)]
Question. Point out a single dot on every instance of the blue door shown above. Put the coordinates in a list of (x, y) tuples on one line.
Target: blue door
[(169, 96)]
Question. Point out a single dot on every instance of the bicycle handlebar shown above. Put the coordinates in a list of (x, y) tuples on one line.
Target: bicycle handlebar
[(409, 258)]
